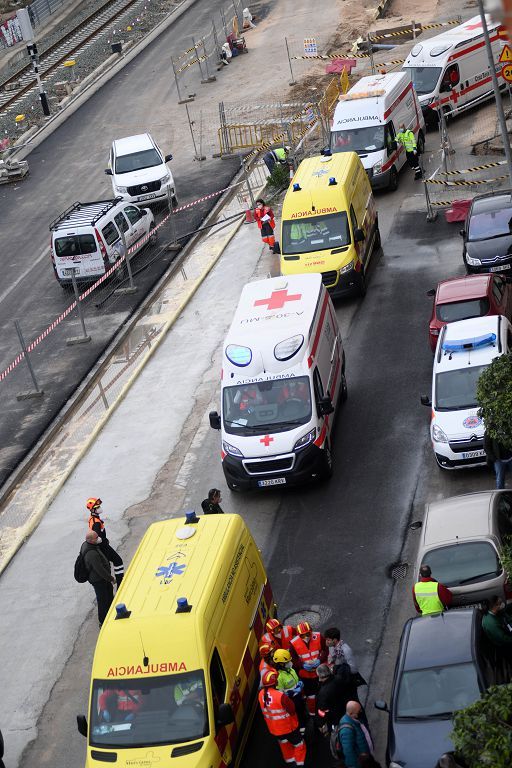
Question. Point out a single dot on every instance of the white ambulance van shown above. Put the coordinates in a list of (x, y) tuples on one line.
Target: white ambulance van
[(367, 119), (283, 376), (451, 71)]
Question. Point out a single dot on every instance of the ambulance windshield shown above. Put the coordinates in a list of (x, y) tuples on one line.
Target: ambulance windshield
[(424, 79), (316, 233), (361, 140), (142, 712), (267, 406)]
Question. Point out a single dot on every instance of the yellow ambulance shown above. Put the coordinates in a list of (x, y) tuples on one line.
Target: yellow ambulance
[(330, 223), (175, 671)]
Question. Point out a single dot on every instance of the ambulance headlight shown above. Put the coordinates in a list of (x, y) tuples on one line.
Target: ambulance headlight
[(377, 168), (237, 355), (473, 262), (438, 435), (288, 348), (228, 448), (347, 267), (305, 440)]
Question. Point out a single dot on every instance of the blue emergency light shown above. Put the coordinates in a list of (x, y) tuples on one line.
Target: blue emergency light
[(240, 356), (122, 612), (332, 182), (183, 605), (296, 187), (191, 517), (477, 342)]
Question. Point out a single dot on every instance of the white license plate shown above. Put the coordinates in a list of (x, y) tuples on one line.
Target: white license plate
[(68, 272), (272, 481), (502, 268), (473, 454), (147, 197)]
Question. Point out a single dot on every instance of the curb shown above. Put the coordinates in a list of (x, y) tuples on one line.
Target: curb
[(98, 81)]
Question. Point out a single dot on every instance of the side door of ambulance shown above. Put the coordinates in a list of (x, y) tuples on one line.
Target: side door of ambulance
[(219, 689), (392, 148), (359, 245)]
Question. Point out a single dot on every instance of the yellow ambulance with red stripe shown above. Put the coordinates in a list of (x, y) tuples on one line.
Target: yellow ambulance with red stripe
[(329, 222), (175, 671)]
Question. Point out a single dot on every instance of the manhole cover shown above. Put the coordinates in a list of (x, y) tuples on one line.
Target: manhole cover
[(398, 570), (317, 616)]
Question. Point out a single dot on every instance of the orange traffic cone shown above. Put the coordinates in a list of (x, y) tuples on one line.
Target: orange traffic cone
[(249, 218)]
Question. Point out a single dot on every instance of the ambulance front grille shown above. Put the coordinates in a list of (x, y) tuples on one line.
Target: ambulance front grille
[(269, 466), (329, 278)]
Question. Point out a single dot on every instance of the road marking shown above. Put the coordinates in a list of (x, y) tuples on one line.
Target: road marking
[(42, 255)]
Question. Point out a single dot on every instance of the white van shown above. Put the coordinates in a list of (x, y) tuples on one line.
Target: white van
[(367, 119), (451, 70), (87, 239), (139, 170), (283, 376)]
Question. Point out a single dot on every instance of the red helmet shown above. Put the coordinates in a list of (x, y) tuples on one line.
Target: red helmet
[(272, 625), (269, 678), (265, 649), (303, 628), (93, 503)]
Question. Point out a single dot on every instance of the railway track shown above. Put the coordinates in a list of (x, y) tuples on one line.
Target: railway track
[(14, 89)]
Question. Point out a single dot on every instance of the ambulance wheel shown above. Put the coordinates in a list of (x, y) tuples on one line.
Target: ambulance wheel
[(362, 284), (153, 236), (232, 486), (1, 745), (327, 460), (377, 241), (393, 180), (420, 148), (343, 388)]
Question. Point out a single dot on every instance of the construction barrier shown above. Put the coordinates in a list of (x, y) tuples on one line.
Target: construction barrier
[(465, 182), (416, 29)]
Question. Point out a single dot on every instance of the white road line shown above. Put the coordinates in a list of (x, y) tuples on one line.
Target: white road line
[(43, 255)]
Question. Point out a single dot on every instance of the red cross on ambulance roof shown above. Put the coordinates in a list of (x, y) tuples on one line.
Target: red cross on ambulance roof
[(474, 26), (278, 299)]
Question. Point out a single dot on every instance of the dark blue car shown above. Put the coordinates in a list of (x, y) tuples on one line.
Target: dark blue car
[(444, 664)]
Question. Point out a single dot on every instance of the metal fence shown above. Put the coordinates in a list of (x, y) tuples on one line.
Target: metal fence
[(39, 10)]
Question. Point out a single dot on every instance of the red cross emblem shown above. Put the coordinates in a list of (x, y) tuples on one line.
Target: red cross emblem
[(474, 26), (266, 440), (278, 299)]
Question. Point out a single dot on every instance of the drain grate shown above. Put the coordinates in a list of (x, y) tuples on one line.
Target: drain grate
[(398, 570)]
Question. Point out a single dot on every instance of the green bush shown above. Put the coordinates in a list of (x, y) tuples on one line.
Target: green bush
[(494, 396), (482, 733), (280, 176)]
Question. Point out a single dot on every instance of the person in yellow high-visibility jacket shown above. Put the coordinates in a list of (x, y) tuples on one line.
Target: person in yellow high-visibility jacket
[(407, 139), (429, 596)]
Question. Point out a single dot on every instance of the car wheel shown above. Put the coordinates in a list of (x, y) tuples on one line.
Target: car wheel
[(377, 241), (174, 201), (327, 462), (153, 236), (393, 179), (421, 144), (362, 284), (343, 388)]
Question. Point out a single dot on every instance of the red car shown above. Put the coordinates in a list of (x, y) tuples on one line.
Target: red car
[(470, 296)]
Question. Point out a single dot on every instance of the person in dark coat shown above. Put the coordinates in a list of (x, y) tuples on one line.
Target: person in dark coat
[(332, 698), (499, 457), (211, 505), (99, 574)]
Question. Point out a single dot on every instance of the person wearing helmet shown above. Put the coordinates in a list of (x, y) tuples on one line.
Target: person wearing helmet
[(281, 719), (288, 682), (266, 661), (310, 650), (96, 524), (278, 634)]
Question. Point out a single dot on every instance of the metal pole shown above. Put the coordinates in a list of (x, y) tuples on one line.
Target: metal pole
[(201, 156), (131, 288), (414, 30), (173, 245), (102, 395), (203, 79), (249, 188), (292, 81), (497, 95), (196, 155), (84, 338), (290, 144), (370, 51), (32, 52), (431, 213), (209, 78), (223, 18), (38, 392), (216, 41)]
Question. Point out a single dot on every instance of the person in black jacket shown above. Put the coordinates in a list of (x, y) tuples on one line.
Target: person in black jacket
[(99, 574), (498, 456), (211, 505)]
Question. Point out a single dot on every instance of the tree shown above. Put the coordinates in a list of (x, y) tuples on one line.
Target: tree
[(482, 733), (494, 395)]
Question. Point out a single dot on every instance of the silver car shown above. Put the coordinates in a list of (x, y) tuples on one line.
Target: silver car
[(462, 539)]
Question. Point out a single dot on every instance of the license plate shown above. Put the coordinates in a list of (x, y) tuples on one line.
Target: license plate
[(272, 481), (473, 454), (68, 272), (146, 197), (502, 268)]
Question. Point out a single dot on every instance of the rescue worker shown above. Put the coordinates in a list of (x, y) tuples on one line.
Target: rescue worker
[(117, 704), (274, 156), (278, 634), (310, 650), (248, 397), (288, 682), (266, 658), (281, 720), (429, 596), (407, 139), (266, 222), (96, 524)]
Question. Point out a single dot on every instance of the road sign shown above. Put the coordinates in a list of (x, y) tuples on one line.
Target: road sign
[(505, 55), (506, 73), (311, 47)]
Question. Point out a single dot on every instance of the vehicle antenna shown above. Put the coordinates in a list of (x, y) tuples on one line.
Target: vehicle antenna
[(145, 660)]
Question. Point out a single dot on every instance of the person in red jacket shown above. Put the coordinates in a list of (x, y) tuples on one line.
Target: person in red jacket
[(265, 219), (266, 660), (278, 635), (311, 650), (281, 720)]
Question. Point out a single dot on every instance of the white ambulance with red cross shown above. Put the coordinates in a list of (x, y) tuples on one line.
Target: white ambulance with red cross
[(283, 377), (451, 72)]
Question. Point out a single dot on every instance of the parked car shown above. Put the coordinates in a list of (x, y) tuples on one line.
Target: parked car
[(139, 170), (488, 233), (470, 296), (444, 664), (462, 540)]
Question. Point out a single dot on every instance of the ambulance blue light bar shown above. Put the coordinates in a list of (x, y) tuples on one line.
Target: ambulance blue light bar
[(297, 187), (240, 356), (477, 342)]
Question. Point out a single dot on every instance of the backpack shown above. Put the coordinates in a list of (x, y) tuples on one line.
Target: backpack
[(336, 745), (81, 571)]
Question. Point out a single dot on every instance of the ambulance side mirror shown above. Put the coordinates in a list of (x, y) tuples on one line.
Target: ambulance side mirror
[(425, 400), (81, 723), (325, 405), (225, 716), (108, 171), (214, 420), (358, 235)]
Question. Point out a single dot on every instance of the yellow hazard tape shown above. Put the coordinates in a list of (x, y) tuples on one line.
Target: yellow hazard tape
[(474, 169), (190, 64), (464, 183), (419, 28), (329, 56)]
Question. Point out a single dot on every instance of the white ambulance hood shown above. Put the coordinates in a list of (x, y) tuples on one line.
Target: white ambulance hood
[(460, 425)]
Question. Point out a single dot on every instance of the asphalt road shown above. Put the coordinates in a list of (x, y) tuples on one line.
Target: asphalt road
[(69, 166)]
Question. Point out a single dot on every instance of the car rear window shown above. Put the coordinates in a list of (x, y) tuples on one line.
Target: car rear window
[(464, 564), (482, 226), (425, 693), (110, 233), (75, 245), (461, 310)]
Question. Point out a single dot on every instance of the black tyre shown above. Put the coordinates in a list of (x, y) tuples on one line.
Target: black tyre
[(362, 284), (174, 201), (232, 486), (1, 745), (327, 462), (153, 236), (377, 241), (343, 388), (421, 144), (393, 180)]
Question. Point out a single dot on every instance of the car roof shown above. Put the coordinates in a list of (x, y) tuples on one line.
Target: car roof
[(465, 331), (463, 517), (133, 144), (491, 202), (462, 288), (438, 640)]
